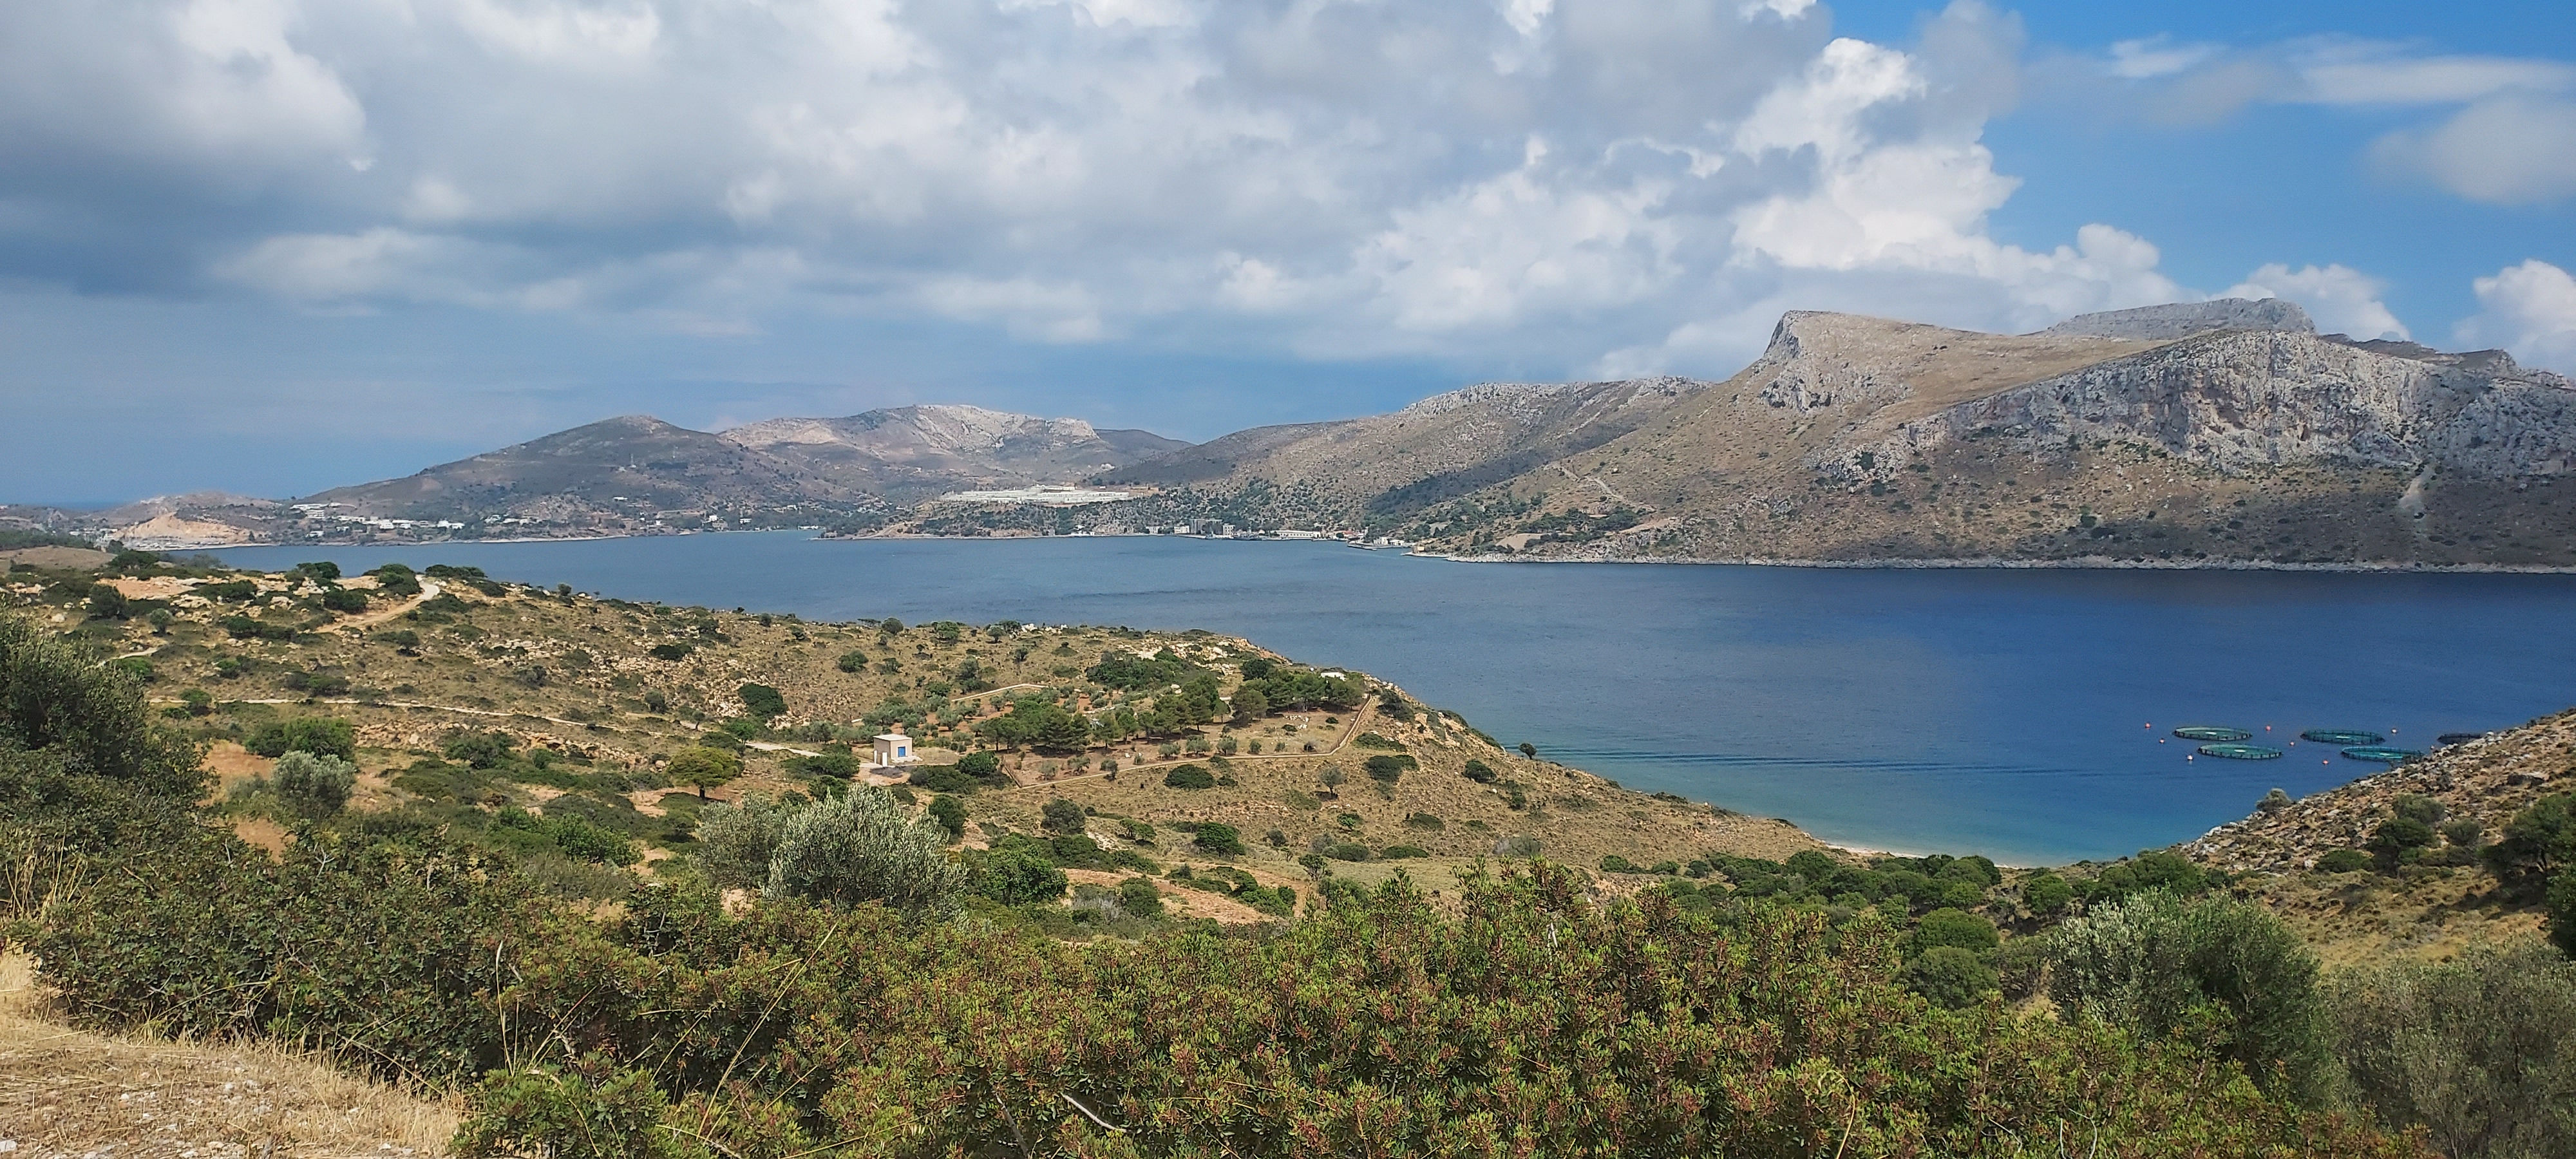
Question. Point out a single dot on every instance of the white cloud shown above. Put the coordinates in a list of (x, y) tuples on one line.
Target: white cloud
[(1546, 179), (2510, 149), (2156, 56), (2372, 74), (2343, 300), (2529, 309)]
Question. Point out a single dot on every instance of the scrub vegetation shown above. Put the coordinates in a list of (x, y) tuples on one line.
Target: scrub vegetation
[(1253, 907)]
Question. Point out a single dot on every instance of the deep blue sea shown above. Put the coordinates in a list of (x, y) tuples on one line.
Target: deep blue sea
[(2017, 713)]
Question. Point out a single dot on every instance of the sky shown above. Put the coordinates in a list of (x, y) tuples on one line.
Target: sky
[(274, 246)]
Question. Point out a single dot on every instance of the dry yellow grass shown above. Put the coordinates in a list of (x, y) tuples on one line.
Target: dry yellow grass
[(67, 1092)]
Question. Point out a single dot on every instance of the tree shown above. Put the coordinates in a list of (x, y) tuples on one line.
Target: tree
[(1250, 704), (983, 766), (704, 768), (313, 785), (2536, 843), (863, 847), (1062, 816), (1189, 777), (1331, 775), (1529, 750), (2562, 911), (2273, 802), (852, 662), (344, 600), (762, 702)]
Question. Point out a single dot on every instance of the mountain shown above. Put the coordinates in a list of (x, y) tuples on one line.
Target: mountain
[(2225, 431), (918, 452)]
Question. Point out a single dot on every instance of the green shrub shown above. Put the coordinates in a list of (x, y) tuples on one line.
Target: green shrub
[(1949, 977), (589, 1110), (2152, 961), (2046, 894), (1954, 928), (327, 736), (1347, 851), (1216, 838), (1613, 863), (1403, 852), (1189, 777), (1138, 896), (852, 662), (2561, 900), (761, 701), (674, 650), (2536, 843), (2480, 1050), (950, 813), (1388, 767), (1370, 740), (344, 600), (1062, 816), (1480, 772), (2343, 861), (1013, 877), (983, 766)]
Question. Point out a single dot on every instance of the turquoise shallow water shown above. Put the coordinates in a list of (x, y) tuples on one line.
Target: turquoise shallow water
[(2012, 712)]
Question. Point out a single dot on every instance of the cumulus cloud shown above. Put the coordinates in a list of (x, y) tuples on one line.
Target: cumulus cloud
[(2529, 309), (2343, 300), (1563, 180)]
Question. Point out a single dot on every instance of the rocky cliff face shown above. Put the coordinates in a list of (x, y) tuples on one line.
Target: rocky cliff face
[(2178, 320), (2242, 400)]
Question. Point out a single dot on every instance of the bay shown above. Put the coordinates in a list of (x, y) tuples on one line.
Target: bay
[(2021, 713)]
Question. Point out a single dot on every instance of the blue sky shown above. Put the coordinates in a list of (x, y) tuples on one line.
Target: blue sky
[(272, 246)]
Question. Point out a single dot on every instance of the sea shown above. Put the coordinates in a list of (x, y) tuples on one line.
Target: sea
[(2021, 713)]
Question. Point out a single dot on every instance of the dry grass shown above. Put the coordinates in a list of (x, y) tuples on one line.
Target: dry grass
[(68, 1092)]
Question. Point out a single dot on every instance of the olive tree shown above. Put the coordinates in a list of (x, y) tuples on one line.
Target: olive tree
[(2155, 963), (315, 785)]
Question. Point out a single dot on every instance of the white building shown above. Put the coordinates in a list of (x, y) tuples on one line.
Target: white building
[(894, 748)]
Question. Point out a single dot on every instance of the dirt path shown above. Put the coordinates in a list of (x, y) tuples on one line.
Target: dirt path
[(429, 590)]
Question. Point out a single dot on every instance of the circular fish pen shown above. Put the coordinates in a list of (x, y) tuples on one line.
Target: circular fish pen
[(2241, 752), (2212, 732), (2380, 754), (2341, 736)]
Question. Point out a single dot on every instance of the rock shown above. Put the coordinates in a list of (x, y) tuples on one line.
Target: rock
[(2184, 319)]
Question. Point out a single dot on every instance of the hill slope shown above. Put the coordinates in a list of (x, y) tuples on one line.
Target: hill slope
[(917, 452), (2140, 435)]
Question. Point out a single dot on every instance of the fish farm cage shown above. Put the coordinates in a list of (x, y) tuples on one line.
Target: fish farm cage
[(2342, 736), (2241, 752), (2380, 754), (2212, 732)]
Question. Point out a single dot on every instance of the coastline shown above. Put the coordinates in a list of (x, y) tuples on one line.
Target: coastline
[(1985, 563)]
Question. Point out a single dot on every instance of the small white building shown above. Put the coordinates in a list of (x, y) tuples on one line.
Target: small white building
[(894, 748)]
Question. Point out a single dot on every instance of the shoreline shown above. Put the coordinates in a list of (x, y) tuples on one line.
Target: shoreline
[(1978, 563)]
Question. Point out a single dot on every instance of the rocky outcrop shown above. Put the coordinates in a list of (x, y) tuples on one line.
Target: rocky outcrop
[(2239, 400), (2183, 319)]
